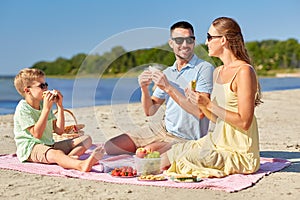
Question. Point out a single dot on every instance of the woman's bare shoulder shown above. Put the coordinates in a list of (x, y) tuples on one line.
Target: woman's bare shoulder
[(246, 69)]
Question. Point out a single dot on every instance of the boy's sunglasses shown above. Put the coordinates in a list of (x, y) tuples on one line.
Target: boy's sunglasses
[(180, 40), (210, 37), (42, 86)]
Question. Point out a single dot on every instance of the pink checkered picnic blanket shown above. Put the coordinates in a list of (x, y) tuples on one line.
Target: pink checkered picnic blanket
[(229, 183)]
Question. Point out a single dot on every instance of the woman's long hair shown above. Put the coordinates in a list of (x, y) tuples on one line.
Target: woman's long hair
[(229, 28)]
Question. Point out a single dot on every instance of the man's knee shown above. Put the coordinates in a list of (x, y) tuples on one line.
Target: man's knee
[(119, 145), (84, 141)]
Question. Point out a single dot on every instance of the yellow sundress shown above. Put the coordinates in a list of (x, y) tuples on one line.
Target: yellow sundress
[(226, 150)]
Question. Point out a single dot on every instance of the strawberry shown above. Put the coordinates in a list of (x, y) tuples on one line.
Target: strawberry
[(130, 174), (129, 170), (134, 172)]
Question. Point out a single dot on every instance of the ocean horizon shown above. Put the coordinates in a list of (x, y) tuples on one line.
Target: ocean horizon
[(87, 92)]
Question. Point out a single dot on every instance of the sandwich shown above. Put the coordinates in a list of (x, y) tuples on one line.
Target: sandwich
[(153, 69), (186, 178), (54, 92)]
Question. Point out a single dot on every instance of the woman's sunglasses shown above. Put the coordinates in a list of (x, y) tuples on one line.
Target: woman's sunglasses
[(180, 40), (42, 86), (210, 37)]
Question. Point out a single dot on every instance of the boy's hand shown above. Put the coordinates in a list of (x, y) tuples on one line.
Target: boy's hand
[(53, 96), (48, 99), (58, 98)]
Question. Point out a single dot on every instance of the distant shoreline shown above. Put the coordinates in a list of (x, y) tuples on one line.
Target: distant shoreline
[(285, 75)]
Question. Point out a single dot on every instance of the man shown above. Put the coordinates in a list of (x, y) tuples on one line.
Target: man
[(183, 120)]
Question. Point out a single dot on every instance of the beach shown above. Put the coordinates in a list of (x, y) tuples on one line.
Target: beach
[(279, 128)]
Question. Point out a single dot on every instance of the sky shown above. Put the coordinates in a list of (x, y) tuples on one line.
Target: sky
[(41, 30)]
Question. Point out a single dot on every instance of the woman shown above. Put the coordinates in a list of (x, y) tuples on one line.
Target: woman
[(233, 146)]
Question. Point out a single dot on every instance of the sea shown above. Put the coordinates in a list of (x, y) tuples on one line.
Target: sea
[(86, 92)]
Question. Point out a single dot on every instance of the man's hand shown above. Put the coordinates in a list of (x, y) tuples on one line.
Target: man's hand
[(145, 78), (160, 80)]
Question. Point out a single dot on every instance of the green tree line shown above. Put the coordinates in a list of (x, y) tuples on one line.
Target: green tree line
[(267, 56)]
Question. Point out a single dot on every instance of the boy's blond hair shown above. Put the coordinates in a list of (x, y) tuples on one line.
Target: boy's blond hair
[(25, 78)]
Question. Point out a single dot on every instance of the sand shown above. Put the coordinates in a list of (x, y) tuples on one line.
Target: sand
[(279, 128)]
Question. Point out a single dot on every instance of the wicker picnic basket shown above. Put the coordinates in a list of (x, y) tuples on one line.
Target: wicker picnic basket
[(72, 130)]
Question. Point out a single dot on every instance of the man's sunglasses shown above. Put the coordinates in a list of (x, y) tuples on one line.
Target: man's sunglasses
[(180, 40), (210, 37), (42, 86)]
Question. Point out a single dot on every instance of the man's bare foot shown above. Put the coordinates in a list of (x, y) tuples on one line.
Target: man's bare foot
[(95, 156)]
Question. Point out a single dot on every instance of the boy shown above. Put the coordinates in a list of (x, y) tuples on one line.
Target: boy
[(34, 123)]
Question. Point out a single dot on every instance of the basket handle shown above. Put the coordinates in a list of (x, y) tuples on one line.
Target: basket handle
[(70, 112)]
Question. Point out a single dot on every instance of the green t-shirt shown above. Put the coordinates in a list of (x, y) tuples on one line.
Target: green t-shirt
[(25, 117)]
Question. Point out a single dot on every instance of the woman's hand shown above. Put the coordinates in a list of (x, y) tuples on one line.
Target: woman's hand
[(197, 98)]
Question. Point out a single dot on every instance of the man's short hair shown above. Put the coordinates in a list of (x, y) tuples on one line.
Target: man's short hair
[(182, 24)]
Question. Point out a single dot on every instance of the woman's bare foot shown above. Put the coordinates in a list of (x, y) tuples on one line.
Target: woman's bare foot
[(95, 156)]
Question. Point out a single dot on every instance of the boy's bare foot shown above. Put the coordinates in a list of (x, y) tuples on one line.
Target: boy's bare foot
[(95, 156), (74, 157)]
